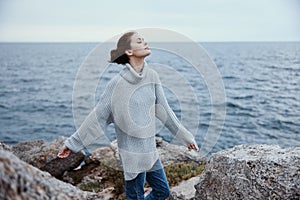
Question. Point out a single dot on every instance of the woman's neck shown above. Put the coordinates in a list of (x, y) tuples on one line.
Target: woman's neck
[(137, 64)]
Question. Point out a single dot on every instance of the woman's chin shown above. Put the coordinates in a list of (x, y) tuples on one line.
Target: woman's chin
[(143, 54), (148, 52)]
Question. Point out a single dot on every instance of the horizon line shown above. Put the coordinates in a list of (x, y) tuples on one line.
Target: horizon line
[(225, 41)]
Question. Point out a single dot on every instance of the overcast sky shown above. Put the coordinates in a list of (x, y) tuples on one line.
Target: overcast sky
[(200, 20)]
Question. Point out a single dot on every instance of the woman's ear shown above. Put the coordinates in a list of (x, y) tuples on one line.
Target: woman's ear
[(129, 52)]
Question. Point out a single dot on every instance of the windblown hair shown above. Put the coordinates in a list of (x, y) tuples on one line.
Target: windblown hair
[(118, 55)]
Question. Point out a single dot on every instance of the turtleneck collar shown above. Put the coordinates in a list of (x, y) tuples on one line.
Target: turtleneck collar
[(131, 75)]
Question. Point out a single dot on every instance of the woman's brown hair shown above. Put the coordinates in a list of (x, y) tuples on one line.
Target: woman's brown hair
[(118, 55)]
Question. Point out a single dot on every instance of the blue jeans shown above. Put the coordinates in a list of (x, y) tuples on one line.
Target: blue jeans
[(157, 181)]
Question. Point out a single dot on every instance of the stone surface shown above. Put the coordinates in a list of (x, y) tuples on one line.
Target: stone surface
[(19, 180), (32, 152), (169, 153), (251, 172), (94, 175), (43, 155), (185, 190), (243, 172), (5, 146), (108, 156), (58, 166)]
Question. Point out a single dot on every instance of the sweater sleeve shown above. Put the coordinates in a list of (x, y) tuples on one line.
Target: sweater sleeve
[(166, 115), (94, 125)]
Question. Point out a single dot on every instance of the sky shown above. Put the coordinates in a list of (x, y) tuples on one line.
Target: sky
[(199, 20)]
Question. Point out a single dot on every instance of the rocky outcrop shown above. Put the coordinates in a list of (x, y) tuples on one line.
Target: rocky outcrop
[(43, 155), (101, 174), (19, 180), (243, 172), (39, 153), (251, 172), (185, 190), (103, 165), (58, 166), (169, 153)]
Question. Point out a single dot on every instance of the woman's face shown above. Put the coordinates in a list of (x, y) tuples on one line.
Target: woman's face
[(139, 47)]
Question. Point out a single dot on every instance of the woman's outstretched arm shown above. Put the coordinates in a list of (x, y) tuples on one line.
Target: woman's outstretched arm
[(166, 115), (93, 126)]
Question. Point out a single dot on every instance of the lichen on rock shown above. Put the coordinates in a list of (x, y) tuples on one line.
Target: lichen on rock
[(251, 172)]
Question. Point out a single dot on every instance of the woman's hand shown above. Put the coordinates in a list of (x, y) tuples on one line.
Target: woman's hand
[(193, 146), (64, 152)]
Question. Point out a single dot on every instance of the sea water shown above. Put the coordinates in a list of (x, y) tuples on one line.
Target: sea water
[(261, 81)]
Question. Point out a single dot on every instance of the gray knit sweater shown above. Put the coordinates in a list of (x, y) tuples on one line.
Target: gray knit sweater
[(131, 101)]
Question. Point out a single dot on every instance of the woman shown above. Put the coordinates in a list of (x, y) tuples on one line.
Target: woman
[(132, 100)]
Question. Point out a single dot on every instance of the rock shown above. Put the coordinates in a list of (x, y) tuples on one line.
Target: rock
[(5, 147), (107, 155), (104, 163), (58, 166), (176, 196), (19, 180), (251, 172), (169, 153), (43, 155), (38, 153), (102, 172), (185, 190)]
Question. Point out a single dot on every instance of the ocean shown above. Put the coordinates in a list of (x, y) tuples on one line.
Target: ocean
[(261, 81)]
